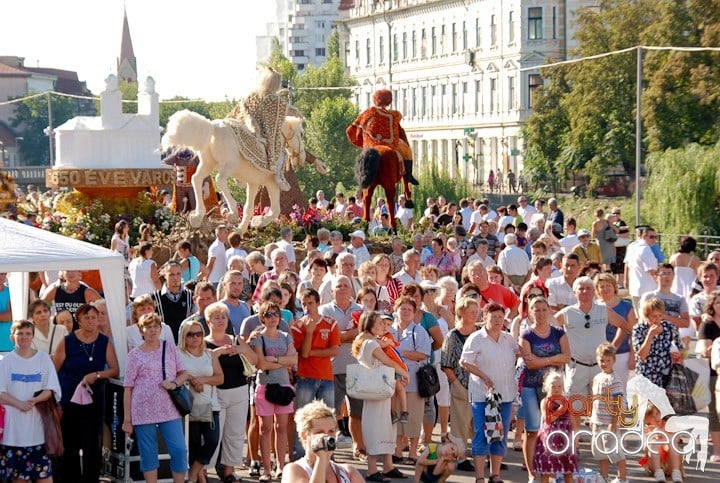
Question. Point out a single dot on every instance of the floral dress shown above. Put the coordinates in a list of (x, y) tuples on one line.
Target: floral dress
[(545, 462), (658, 362)]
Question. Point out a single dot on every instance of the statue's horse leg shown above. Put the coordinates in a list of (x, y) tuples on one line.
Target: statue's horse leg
[(390, 193), (251, 190), (221, 182), (367, 195), (273, 191)]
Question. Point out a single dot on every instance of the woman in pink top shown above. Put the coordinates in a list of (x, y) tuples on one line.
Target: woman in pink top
[(147, 403)]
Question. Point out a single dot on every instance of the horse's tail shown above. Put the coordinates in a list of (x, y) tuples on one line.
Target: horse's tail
[(187, 128), (367, 165)]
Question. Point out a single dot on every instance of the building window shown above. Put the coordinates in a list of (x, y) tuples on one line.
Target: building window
[(534, 81), (443, 93), (298, 53), (395, 47), (511, 27), (404, 46), (367, 99), (464, 36), (381, 50), (453, 99), (535, 23), (320, 24), (477, 32), (493, 95), (433, 93), (443, 40), (463, 97), (511, 93), (478, 97), (357, 51), (414, 102), (301, 66), (423, 44), (414, 44), (306, 2), (404, 101), (368, 52), (320, 51), (554, 24), (454, 38), (433, 42), (493, 31), (423, 101)]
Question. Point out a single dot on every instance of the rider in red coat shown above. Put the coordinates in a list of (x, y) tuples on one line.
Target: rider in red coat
[(380, 126)]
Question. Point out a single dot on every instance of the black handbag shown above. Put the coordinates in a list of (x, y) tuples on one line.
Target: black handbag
[(428, 381), (275, 393), (280, 395), (180, 396)]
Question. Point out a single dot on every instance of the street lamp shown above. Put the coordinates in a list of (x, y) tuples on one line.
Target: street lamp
[(17, 150)]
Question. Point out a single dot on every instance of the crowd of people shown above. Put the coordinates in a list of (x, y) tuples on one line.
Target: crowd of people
[(512, 307)]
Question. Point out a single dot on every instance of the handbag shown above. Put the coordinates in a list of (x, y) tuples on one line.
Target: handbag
[(678, 387), (367, 384), (428, 381), (50, 415), (701, 391), (275, 393), (609, 234), (493, 418), (202, 410), (180, 396), (249, 368)]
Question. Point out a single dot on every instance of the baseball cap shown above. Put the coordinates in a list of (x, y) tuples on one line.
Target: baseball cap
[(358, 233)]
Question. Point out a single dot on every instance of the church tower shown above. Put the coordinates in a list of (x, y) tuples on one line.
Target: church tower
[(126, 64)]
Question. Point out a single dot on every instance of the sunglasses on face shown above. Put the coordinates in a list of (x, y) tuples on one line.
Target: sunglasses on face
[(191, 335), (271, 314), (587, 321), (430, 290)]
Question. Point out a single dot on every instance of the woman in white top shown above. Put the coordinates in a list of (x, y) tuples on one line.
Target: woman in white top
[(205, 373), (686, 265), (24, 373), (489, 355), (120, 241), (144, 272), (47, 336)]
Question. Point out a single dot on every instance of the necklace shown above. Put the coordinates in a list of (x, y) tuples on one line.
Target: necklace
[(92, 349)]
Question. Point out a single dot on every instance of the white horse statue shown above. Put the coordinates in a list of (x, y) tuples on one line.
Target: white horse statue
[(214, 141)]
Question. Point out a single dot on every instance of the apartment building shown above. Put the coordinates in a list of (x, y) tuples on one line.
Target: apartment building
[(462, 72)]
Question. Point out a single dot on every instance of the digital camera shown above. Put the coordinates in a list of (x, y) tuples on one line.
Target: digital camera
[(327, 443)]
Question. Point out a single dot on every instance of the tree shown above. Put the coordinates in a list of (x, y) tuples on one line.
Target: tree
[(31, 117), (325, 137)]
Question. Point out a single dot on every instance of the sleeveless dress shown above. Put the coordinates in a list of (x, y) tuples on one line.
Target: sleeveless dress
[(544, 461), (140, 273), (378, 431), (607, 248)]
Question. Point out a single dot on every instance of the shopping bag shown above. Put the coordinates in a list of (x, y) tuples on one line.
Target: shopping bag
[(701, 391), (679, 385)]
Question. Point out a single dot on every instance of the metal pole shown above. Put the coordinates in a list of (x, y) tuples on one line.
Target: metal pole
[(50, 129), (638, 134)]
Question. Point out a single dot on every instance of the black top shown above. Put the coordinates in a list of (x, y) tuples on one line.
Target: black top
[(709, 330), (69, 301), (232, 367)]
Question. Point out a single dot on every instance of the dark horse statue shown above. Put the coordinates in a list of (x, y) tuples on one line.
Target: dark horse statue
[(380, 166)]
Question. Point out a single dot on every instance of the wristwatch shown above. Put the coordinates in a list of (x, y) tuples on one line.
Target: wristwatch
[(277, 360)]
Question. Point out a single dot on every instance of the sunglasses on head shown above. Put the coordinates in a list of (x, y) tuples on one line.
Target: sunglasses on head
[(587, 321)]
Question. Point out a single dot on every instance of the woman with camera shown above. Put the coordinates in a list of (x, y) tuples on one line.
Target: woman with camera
[(316, 425)]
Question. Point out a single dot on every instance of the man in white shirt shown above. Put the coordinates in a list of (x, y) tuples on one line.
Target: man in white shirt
[(570, 240), (466, 213), (216, 265), (358, 249), (525, 210), (514, 261), (640, 268), (344, 266), (481, 253), (285, 242), (560, 288), (411, 264)]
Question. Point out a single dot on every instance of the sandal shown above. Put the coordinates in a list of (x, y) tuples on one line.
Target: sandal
[(377, 477), (265, 477), (495, 479), (409, 461), (230, 479)]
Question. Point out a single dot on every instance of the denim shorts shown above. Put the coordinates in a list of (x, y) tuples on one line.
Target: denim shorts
[(480, 445), (307, 389), (531, 408), (172, 433)]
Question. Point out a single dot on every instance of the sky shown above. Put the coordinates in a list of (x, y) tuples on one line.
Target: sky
[(196, 49)]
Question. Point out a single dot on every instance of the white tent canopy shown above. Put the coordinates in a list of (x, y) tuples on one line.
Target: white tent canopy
[(26, 249)]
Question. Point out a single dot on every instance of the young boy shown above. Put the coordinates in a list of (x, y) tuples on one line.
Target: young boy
[(388, 345), (437, 462), (609, 390)]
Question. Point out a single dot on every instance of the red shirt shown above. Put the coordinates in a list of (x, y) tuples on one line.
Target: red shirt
[(325, 335), (500, 295)]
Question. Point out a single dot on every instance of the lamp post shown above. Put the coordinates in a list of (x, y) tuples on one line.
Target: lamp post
[(17, 150)]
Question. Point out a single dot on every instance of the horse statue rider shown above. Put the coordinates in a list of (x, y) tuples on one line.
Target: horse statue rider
[(185, 162), (379, 125), (263, 112)]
